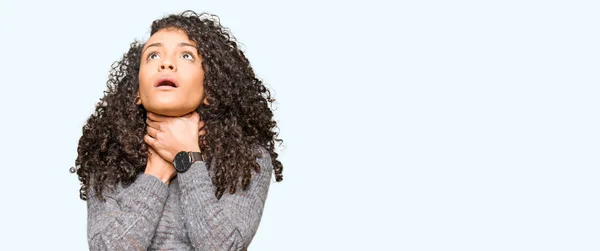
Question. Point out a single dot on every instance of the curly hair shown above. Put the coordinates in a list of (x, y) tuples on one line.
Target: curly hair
[(239, 119)]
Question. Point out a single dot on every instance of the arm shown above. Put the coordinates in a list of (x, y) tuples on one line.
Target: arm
[(229, 223), (128, 219)]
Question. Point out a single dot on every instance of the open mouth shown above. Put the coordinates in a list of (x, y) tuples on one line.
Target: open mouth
[(166, 83)]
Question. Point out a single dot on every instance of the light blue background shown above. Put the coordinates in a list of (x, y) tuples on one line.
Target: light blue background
[(408, 125)]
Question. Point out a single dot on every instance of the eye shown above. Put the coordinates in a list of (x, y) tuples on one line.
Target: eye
[(153, 55), (188, 56)]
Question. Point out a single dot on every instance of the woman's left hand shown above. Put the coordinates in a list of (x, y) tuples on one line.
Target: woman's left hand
[(170, 135)]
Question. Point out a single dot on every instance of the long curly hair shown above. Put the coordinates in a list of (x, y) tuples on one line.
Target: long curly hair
[(238, 118)]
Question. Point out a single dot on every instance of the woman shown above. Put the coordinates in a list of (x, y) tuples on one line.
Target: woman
[(180, 150)]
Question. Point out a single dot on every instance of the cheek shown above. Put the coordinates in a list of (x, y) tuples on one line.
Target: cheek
[(197, 80), (200, 85), (200, 79), (145, 82)]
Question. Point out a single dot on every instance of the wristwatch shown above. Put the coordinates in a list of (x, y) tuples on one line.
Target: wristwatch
[(184, 160)]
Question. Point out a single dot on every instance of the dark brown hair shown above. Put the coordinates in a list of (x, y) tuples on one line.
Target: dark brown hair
[(239, 118)]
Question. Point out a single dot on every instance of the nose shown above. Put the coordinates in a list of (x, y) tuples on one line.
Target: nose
[(167, 65)]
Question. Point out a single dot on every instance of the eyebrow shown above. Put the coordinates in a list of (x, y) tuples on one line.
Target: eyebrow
[(182, 44)]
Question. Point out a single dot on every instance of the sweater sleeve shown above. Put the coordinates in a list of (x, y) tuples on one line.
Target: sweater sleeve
[(229, 223), (126, 219)]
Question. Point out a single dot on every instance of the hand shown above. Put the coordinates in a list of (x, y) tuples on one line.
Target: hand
[(159, 167), (170, 135)]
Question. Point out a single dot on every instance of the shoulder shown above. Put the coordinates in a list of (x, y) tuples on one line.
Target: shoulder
[(110, 190), (264, 159)]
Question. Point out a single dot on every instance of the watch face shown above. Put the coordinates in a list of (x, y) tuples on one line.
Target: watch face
[(181, 161)]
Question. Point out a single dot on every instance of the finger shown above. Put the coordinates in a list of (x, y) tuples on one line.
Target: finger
[(195, 116), (156, 117), (151, 150), (188, 116), (202, 133), (149, 140), (201, 124), (153, 124), (150, 116), (152, 132)]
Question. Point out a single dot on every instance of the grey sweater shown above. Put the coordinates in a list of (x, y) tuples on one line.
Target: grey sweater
[(183, 215)]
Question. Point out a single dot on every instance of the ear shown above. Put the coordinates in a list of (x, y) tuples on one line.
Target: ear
[(205, 100), (138, 100)]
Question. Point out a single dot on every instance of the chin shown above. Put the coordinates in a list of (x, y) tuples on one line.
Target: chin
[(169, 111)]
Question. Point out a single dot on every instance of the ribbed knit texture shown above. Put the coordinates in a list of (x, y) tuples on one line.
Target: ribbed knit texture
[(183, 215)]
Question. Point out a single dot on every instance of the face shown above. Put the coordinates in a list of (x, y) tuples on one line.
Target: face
[(171, 75)]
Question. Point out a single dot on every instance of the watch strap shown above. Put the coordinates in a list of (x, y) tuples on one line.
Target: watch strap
[(196, 156)]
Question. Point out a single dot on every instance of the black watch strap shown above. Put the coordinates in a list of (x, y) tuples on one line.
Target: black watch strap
[(196, 156)]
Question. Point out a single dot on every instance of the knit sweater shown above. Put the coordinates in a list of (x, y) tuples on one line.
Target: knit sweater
[(183, 215)]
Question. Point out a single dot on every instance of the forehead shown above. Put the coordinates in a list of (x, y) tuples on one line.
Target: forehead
[(169, 36)]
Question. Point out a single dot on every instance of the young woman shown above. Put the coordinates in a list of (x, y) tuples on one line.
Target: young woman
[(179, 153)]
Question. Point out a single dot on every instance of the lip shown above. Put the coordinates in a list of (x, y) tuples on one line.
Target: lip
[(165, 78)]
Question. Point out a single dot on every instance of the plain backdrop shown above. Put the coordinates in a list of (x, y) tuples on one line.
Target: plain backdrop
[(407, 125)]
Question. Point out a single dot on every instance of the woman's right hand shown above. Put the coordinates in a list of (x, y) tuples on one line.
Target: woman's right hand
[(159, 167)]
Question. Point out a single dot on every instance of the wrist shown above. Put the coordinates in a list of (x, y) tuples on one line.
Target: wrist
[(162, 177), (192, 149), (160, 173)]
